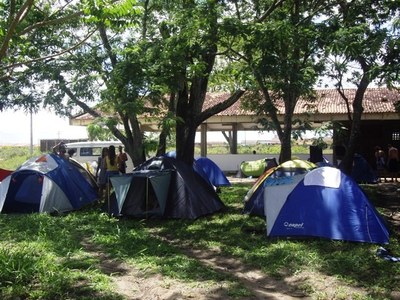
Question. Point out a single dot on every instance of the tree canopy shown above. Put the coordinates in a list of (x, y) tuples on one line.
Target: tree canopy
[(364, 48), (121, 60), (281, 51)]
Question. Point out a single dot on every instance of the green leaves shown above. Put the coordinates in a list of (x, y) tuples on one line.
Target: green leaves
[(116, 14)]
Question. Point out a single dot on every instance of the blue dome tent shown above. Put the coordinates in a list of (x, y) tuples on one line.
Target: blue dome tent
[(47, 183), (211, 171), (325, 203)]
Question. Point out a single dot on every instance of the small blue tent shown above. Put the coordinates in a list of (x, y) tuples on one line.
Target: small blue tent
[(362, 172), (207, 169), (329, 204), (47, 183), (212, 172)]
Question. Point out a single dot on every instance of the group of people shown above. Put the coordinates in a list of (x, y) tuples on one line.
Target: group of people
[(110, 164), (387, 164)]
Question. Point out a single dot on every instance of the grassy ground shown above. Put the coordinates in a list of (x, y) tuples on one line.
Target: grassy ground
[(45, 257), (42, 257)]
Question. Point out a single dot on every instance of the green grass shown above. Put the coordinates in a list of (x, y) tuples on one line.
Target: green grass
[(259, 148), (44, 257), (56, 257)]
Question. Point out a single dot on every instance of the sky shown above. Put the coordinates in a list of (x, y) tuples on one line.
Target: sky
[(15, 128)]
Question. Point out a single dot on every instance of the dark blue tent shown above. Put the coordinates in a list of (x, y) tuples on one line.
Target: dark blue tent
[(174, 190), (212, 172), (362, 172)]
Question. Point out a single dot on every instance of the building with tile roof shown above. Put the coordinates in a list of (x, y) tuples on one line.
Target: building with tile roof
[(380, 119)]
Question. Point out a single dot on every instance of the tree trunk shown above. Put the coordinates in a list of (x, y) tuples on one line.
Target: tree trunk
[(286, 147), (185, 114), (347, 162), (165, 131), (229, 140), (186, 136), (162, 143), (285, 135)]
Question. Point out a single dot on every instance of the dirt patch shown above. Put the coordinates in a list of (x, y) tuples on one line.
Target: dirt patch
[(259, 284), (132, 283)]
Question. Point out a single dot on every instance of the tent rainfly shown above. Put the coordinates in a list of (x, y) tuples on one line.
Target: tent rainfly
[(47, 183), (325, 203)]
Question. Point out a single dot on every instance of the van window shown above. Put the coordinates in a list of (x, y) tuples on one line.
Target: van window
[(90, 151)]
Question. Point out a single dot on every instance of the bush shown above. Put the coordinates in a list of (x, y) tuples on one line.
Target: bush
[(11, 157)]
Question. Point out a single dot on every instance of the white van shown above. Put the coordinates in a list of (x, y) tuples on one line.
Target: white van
[(89, 152)]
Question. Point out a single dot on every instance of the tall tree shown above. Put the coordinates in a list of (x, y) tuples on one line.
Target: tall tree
[(365, 48), (94, 69), (281, 49), (201, 55), (108, 71), (185, 61)]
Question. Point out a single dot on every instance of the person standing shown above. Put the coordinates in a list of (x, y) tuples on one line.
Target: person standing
[(61, 150), (380, 162), (111, 161), (122, 159), (101, 171), (393, 162), (112, 169), (71, 152)]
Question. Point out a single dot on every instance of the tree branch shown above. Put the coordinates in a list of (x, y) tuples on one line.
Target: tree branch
[(270, 10), (106, 44), (71, 95), (22, 13), (51, 22), (49, 56), (219, 107)]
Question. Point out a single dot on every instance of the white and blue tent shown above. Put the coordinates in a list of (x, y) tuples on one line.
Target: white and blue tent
[(325, 203), (46, 183)]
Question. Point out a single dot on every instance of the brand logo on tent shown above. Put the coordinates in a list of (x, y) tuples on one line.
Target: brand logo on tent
[(293, 225)]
